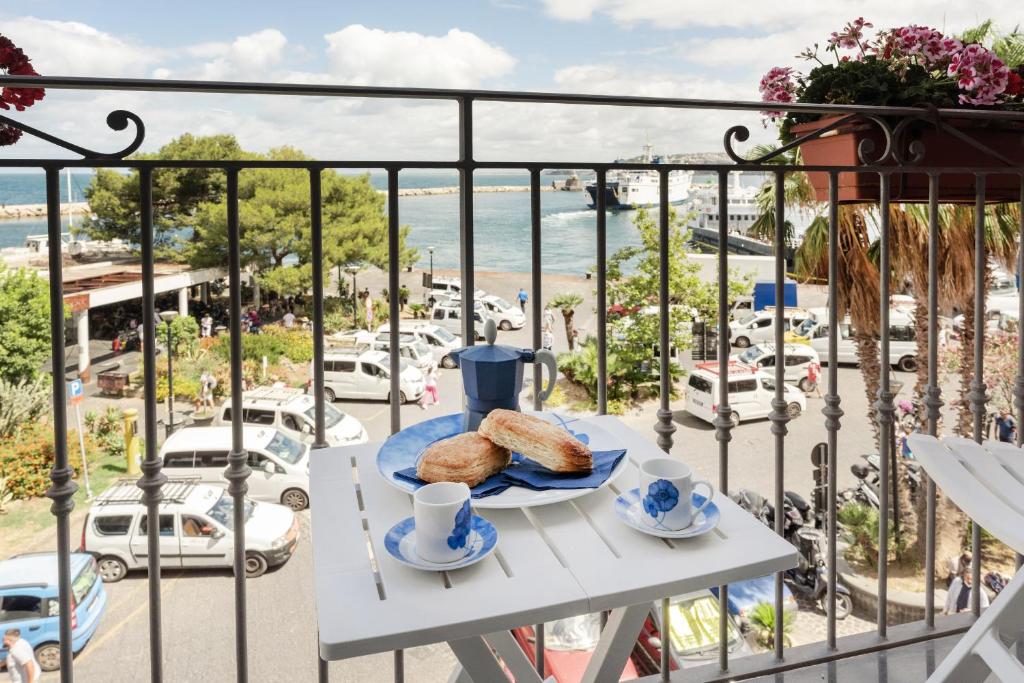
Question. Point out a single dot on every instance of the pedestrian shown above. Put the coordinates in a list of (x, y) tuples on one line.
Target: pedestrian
[(431, 388), (1006, 426), (206, 325), (956, 566), (904, 443), (21, 662), (575, 339), (523, 298), (549, 318), (369, 312), (958, 599), (207, 383), (548, 340), (289, 319), (814, 378)]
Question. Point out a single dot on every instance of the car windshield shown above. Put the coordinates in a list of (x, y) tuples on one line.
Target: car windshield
[(223, 510), (422, 348), (444, 335), (286, 448), (574, 633), (751, 355), (501, 303), (332, 415), (805, 327), (694, 625), (748, 318)]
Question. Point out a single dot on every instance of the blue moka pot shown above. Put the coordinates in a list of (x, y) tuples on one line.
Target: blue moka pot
[(492, 375)]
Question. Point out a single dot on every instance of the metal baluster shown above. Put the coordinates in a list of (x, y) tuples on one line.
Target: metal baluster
[(664, 426), (884, 406), (977, 394), (238, 470), (779, 417), (932, 400), (832, 411), (62, 489), (466, 217), (535, 282), (723, 421), (320, 429), (393, 311), (152, 478), (602, 294), (538, 648)]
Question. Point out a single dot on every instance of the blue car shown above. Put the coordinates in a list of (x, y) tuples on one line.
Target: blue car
[(744, 596), (28, 602)]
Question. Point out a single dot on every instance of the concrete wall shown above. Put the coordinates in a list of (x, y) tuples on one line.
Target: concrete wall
[(761, 267)]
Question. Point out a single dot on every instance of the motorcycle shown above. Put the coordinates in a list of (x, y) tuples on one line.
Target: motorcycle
[(809, 579), (869, 477), (796, 511)]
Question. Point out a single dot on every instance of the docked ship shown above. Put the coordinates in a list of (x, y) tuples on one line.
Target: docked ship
[(641, 189), (741, 211)]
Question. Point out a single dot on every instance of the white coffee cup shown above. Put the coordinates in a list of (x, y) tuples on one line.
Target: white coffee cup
[(666, 494), (443, 521)]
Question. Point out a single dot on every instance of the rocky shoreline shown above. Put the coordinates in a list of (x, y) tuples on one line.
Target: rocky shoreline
[(11, 211)]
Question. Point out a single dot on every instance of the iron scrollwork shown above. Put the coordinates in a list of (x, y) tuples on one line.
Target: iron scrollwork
[(865, 148), (116, 120)]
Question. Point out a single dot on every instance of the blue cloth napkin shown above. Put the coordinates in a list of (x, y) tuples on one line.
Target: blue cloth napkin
[(528, 474)]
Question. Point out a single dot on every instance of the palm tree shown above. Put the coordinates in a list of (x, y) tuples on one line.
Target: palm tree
[(567, 303)]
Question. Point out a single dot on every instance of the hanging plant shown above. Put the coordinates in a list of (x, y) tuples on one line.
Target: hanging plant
[(14, 61)]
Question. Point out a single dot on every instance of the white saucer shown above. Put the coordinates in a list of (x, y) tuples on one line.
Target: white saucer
[(628, 508), (400, 542)]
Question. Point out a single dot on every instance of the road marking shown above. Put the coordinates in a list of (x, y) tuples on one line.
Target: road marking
[(143, 605)]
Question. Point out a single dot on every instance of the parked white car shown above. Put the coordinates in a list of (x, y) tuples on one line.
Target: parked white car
[(441, 341), (797, 357), (759, 326), (451, 286), (507, 316), (367, 375), (195, 527), (294, 412), (449, 316), (414, 351), (750, 393), (280, 464), (902, 338)]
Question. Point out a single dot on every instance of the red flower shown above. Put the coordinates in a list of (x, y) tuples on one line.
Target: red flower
[(1015, 84), (14, 61)]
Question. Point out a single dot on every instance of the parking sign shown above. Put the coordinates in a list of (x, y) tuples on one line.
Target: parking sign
[(75, 392)]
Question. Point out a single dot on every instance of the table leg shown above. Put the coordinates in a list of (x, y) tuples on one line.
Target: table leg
[(616, 643), (514, 657), (476, 658)]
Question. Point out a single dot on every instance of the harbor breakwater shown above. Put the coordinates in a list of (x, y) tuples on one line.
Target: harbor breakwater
[(427, 191), (12, 211)]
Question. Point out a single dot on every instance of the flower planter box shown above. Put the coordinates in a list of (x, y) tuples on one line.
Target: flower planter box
[(839, 148)]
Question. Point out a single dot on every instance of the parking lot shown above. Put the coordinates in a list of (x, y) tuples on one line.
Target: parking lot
[(198, 606)]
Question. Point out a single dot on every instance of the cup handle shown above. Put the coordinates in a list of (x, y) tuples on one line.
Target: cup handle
[(711, 494), (547, 359)]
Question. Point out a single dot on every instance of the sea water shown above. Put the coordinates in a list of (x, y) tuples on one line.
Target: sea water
[(501, 220)]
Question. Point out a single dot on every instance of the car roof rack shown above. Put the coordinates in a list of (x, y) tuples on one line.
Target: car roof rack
[(735, 368), (126, 491), (272, 394)]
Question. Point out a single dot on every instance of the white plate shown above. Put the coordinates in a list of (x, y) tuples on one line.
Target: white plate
[(403, 449), (400, 543), (627, 508)]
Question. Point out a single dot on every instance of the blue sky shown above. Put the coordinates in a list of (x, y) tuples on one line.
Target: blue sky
[(671, 48)]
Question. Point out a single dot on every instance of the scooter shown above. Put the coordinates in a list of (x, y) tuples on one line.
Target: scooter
[(795, 508), (809, 579)]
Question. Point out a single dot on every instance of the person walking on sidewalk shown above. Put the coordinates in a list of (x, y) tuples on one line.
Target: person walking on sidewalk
[(21, 662), (523, 298), (431, 388)]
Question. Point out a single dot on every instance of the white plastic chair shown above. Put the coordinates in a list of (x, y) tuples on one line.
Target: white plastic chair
[(986, 481)]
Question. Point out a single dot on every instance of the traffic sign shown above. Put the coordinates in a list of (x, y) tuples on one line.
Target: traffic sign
[(75, 392)]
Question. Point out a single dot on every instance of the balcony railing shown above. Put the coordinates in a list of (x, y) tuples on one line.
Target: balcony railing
[(886, 164)]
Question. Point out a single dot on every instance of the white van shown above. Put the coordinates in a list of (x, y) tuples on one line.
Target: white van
[(449, 316), (750, 393), (368, 376), (280, 464), (414, 351), (441, 341), (294, 412), (902, 336), (759, 326), (451, 286), (797, 358), (195, 526)]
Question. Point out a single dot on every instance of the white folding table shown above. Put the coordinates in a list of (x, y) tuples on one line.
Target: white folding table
[(551, 562)]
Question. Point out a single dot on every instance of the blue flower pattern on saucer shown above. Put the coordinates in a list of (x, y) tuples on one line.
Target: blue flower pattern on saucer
[(461, 531), (400, 543), (629, 508), (662, 496)]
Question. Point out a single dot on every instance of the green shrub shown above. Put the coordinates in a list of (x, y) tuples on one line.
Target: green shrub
[(22, 402), (862, 524), (762, 619), (27, 459), (273, 342)]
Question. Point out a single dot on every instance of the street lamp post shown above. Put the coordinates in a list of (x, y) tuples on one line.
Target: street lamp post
[(167, 317), (431, 251), (355, 307)]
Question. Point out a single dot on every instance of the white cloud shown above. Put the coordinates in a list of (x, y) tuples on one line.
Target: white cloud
[(365, 56), (246, 57), (70, 48)]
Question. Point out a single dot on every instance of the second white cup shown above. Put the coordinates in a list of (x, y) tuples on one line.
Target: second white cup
[(666, 494), (443, 521)]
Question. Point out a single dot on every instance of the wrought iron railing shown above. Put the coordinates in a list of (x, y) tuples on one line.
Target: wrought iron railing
[(899, 154)]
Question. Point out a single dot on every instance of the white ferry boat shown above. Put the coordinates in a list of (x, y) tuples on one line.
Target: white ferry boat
[(742, 209), (641, 189)]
